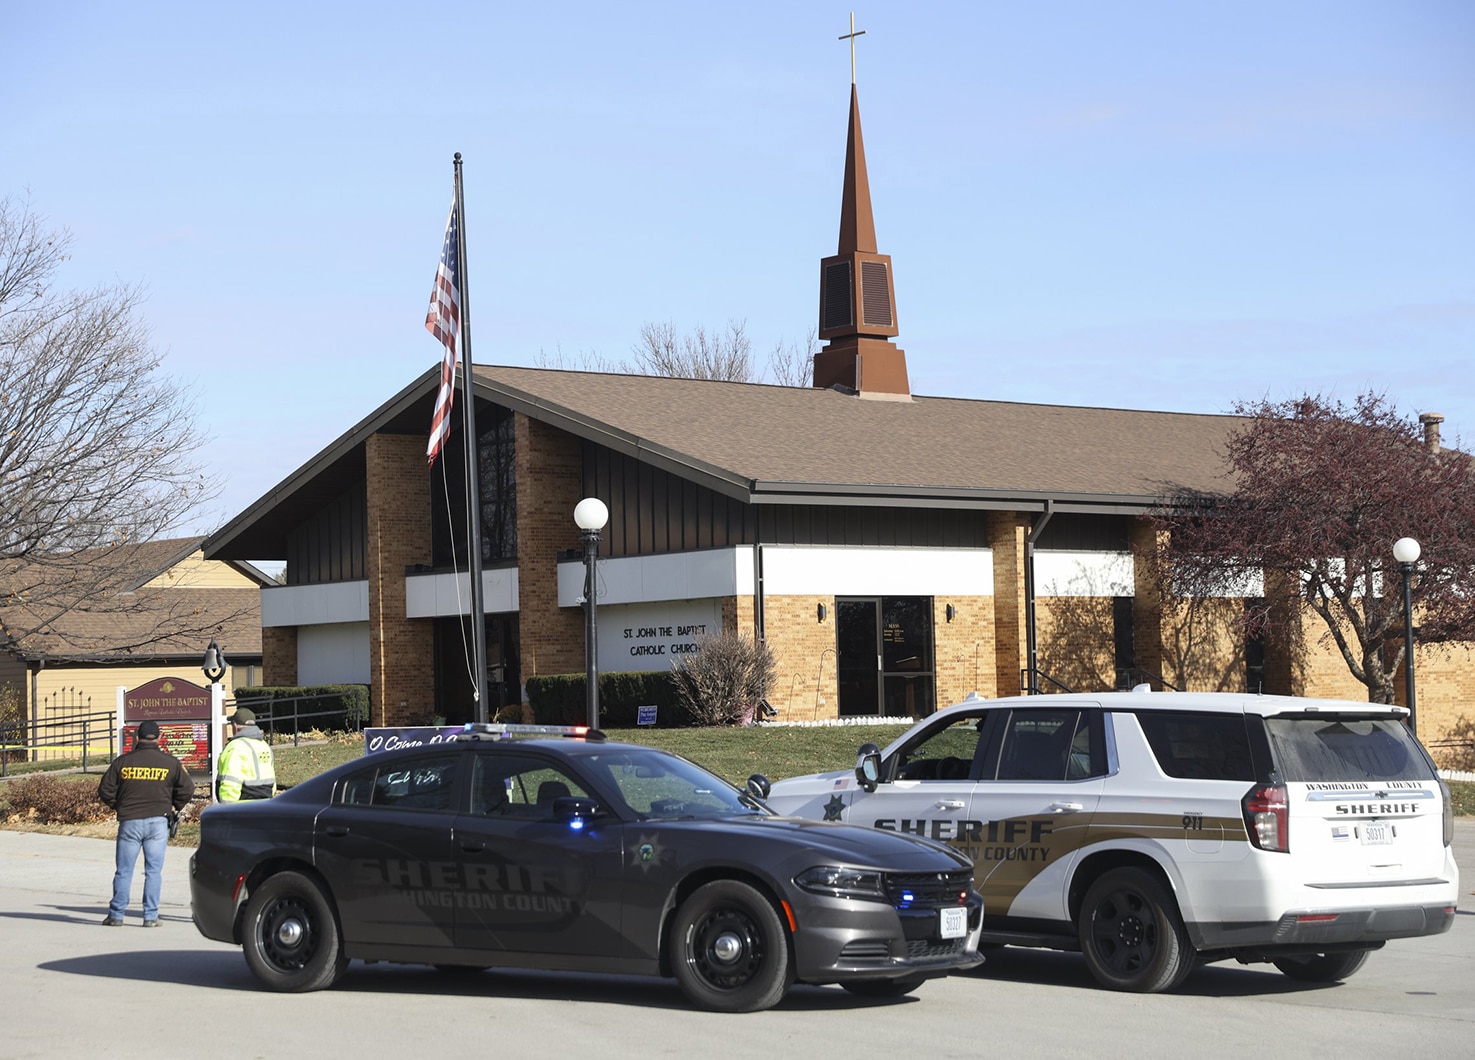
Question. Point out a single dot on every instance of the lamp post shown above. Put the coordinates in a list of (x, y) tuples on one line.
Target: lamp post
[(214, 668), (1406, 552), (590, 515)]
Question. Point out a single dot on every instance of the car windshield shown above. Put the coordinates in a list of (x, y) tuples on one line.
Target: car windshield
[(653, 785), (1368, 749)]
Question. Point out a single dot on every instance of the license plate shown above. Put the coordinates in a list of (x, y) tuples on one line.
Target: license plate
[(1377, 835), (954, 922)]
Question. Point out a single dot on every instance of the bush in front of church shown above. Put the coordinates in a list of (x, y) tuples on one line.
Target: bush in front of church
[(725, 681)]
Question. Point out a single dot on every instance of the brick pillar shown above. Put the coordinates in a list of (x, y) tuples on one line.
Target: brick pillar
[(1006, 533), (1285, 644), (550, 482), (279, 656), (1147, 545), (401, 650)]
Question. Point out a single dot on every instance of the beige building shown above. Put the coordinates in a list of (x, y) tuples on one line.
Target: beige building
[(155, 622), (896, 551)]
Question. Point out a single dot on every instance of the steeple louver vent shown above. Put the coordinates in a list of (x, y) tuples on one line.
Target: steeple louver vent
[(837, 311), (875, 306)]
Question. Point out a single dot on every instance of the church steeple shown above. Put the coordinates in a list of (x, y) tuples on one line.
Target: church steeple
[(857, 304)]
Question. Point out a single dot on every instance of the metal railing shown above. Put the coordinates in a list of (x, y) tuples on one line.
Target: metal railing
[(68, 736), (1029, 682), (1132, 676), (278, 718)]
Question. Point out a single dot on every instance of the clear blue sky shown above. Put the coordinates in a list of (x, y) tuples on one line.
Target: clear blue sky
[(1164, 205)]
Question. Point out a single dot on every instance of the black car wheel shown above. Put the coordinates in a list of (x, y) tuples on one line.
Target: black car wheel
[(728, 949), (1323, 967), (290, 935), (884, 987), (1131, 934)]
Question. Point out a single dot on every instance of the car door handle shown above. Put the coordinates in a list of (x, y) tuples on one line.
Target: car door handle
[(336, 830), (1064, 807), (950, 804), (472, 846)]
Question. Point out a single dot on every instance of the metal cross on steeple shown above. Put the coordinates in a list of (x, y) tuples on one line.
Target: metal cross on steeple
[(851, 38)]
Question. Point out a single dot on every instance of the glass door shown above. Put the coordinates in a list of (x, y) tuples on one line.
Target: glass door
[(884, 650), (858, 656)]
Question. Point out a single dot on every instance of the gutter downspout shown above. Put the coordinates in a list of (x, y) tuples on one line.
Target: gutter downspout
[(758, 633), (1031, 649)]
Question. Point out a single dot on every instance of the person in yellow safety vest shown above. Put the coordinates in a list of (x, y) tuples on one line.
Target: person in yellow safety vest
[(245, 769)]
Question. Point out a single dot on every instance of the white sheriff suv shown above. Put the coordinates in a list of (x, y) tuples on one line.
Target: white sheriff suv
[(1154, 831)]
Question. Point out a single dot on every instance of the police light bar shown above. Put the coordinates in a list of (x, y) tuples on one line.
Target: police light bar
[(474, 730)]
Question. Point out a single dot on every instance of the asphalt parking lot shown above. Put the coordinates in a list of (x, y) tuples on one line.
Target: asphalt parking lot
[(74, 988)]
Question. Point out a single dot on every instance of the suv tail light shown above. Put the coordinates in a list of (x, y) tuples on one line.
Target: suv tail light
[(1449, 814), (1266, 817)]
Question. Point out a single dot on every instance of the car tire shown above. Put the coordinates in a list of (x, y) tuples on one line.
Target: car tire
[(1323, 967), (728, 949), (290, 935), (1131, 934), (899, 987)]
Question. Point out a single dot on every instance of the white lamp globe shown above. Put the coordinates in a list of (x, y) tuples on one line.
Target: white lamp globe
[(591, 514), (1406, 550)]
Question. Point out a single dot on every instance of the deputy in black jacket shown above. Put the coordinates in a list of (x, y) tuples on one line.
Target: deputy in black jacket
[(143, 786)]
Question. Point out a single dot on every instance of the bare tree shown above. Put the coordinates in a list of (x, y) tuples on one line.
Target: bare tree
[(698, 355), (1321, 492), (96, 444), (791, 365), (586, 361)]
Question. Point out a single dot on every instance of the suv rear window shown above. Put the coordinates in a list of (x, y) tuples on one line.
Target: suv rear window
[(1199, 746), (1313, 749)]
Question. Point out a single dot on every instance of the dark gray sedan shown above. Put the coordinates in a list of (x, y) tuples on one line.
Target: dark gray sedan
[(577, 854)]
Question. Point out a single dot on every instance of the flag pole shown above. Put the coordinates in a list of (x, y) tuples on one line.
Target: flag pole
[(473, 474)]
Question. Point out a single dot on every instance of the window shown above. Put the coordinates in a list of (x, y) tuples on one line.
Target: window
[(420, 784), (947, 754), (522, 786), (1199, 746), (1048, 745), (1325, 749)]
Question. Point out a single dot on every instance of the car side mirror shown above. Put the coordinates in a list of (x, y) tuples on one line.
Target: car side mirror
[(574, 808), (868, 766), (758, 786)]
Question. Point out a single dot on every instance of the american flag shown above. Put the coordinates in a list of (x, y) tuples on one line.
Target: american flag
[(444, 322)]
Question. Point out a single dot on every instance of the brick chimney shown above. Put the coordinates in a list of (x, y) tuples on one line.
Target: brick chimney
[(1431, 422)]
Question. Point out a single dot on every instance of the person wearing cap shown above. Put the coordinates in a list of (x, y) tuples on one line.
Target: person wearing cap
[(245, 769), (143, 786)]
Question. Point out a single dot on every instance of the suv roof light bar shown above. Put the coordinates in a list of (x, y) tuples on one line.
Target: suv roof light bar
[(473, 730)]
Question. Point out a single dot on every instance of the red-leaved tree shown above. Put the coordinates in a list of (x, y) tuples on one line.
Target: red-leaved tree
[(1322, 490)]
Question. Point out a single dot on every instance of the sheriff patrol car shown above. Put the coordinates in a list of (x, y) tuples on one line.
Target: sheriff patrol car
[(1154, 831), (550, 847)]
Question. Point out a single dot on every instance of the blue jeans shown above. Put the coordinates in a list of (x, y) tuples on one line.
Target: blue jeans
[(151, 835)]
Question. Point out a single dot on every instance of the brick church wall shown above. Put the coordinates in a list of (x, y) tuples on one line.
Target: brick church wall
[(963, 649), (1075, 643), (549, 472), (279, 655), (401, 650), (1006, 531), (804, 656)]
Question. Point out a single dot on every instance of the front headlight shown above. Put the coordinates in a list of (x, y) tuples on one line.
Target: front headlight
[(842, 882)]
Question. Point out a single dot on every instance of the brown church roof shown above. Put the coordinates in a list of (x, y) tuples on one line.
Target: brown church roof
[(759, 439), (771, 444)]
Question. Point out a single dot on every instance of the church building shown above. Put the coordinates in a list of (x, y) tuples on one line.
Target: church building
[(897, 552)]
